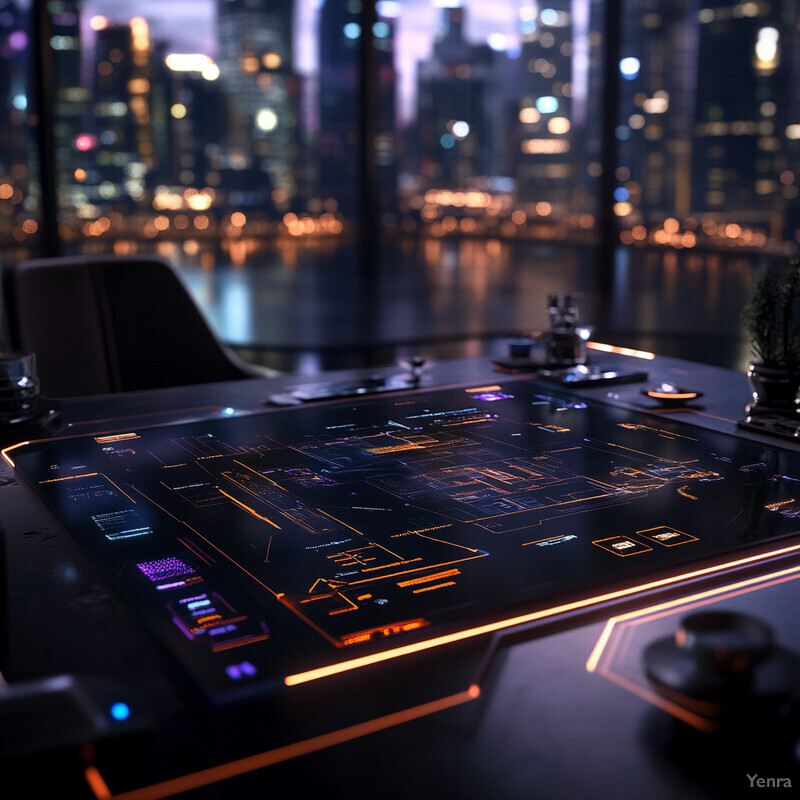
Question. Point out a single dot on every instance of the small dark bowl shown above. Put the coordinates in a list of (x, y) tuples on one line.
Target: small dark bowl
[(670, 395)]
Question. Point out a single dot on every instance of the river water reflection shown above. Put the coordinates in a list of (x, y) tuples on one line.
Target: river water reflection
[(308, 309)]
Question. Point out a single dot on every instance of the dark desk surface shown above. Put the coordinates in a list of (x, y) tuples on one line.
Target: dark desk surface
[(725, 394), (542, 710)]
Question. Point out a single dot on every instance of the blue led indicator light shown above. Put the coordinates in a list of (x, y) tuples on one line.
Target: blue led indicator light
[(120, 711)]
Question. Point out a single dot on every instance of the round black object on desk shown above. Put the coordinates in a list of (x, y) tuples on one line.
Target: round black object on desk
[(671, 396), (728, 661)]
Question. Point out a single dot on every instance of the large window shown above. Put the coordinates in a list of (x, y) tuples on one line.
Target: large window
[(20, 194), (709, 124), (498, 109), (213, 130)]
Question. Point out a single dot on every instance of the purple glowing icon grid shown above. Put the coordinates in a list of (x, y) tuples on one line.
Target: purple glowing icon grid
[(165, 568)]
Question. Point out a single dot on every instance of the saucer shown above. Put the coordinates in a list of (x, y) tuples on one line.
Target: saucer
[(670, 395)]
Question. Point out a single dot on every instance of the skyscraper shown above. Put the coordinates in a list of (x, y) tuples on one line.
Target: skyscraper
[(545, 168), (71, 97), (256, 74), (657, 102), (748, 59), (116, 142), (339, 104), (460, 101)]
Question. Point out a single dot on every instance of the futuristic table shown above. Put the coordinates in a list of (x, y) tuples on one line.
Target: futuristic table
[(445, 590)]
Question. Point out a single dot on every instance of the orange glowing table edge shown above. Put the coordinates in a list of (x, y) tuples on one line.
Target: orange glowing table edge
[(493, 627), (196, 780), (692, 601), (620, 351), (235, 768)]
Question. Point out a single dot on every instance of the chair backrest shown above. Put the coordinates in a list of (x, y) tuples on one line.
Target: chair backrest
[(112, 324)]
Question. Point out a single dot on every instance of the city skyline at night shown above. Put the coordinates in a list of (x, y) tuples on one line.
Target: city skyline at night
[(476, 133), (190, 28)]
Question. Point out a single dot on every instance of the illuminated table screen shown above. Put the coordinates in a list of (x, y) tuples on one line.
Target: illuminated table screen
[(268, 550)]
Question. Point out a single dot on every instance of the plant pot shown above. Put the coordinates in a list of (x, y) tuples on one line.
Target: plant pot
[(774, 388)]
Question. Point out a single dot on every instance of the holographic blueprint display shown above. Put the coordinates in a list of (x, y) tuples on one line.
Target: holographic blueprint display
[(259, 548)]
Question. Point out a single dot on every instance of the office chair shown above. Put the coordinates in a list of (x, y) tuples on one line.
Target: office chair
[(112, 324)]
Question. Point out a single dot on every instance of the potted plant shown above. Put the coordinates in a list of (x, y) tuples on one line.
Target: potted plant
[(773, 321)]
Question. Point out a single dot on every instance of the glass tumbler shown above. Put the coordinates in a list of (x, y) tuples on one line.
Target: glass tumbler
[(19, 387), (564, 344)]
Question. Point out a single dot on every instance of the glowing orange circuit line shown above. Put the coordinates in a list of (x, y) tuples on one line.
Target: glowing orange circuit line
[(542, 508), (773, 506), (196, 780), (431, 588), (400, 563), (360, 533), (249, 510), (278, 595), (428, 578), (90, 475), (350, 527), (70, 477), (256, 472), (444, 541), (643, 453), (662, 433), (597, 481), (363, 661), (422, 566), (465, 422), (546, 539)]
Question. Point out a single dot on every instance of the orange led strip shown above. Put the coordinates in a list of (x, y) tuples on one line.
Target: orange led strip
[(672, 395), (196, 780), (117, 437), (738, 587), (7, 450), (458, 636), (620, 351), (480, 389), (696, 716)]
